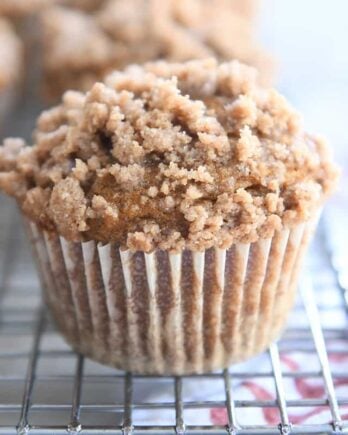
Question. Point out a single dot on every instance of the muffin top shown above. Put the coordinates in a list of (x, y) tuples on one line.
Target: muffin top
[(170, 156), (123, 32), (10, 55)]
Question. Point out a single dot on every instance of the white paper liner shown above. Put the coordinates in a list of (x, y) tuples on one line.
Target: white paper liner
[(164, 313)]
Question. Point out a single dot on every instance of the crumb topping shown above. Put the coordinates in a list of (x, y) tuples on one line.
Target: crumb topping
[(123, 32), (170, 156), (10, 55)]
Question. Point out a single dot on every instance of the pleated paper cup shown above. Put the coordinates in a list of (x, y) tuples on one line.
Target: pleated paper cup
[(164, 313)]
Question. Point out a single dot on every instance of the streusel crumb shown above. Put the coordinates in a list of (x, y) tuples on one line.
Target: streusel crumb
[(170, 156)]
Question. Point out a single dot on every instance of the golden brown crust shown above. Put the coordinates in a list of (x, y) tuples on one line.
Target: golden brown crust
[(170, 156), (133, 31)]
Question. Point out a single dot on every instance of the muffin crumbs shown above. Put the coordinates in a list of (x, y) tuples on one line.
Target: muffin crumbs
[(170, 156)]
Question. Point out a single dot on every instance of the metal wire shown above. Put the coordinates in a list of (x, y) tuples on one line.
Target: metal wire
[(179, 408), (127, 427), (230, 405), (318, 338), (23, 426), (75, 425), (284, 426), (104, 401)]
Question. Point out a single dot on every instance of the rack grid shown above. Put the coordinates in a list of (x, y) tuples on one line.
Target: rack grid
[(45, 388)]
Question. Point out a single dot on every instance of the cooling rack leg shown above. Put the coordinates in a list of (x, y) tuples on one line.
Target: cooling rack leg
[(230, 406), (75, 425), (319, 342), (23, 425), (179, 408), (285, 425), (127, 427)]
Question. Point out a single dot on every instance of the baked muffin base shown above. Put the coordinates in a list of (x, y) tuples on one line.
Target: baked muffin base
[(171, 314)]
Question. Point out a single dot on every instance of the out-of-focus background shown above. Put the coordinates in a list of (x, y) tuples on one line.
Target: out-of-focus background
[(309, 38), (310, 41)]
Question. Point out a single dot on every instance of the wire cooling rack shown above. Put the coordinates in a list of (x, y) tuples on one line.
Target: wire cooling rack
[(300, 385)]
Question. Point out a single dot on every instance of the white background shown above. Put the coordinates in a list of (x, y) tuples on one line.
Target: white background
[(310, 41)]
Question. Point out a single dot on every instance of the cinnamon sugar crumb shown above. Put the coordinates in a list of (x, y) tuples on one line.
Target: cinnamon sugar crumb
[(170, 156), (247, 145), (67, 207), (128, 177), (101, 208), (152, 191), (80, 170)]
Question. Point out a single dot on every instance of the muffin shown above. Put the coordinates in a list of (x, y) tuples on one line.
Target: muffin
[(86, 5), (81, 48), (16, 8), (10, 66), (24, 16), (20, 8), (169, 209)]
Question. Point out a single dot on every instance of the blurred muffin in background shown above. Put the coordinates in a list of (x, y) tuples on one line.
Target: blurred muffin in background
[(15, 8), (24, 16), (10, 66), (248, 8), (20, 8), (80, 48), (87, 5)]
